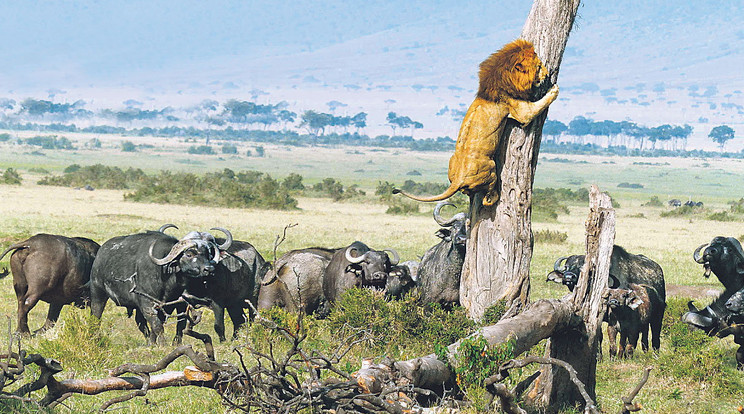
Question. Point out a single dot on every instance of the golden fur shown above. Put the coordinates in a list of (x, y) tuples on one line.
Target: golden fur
[(506, 79)]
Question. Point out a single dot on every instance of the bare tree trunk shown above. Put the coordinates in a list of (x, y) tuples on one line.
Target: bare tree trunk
[(500, 245), (553, 389)]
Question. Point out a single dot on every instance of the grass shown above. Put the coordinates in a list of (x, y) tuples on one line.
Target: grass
[(29, 208)]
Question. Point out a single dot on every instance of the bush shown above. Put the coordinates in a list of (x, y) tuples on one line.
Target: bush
[(548, 236), (72, 168), (329, 187), (11, 176), (722, 216), (400, 321), (681, 211), (260, 151), (737, 207), (401, 206), (99, 176), (201, 149), (128, 146), (654, 202), (4, 137), (629, 185), (293, 182), (229, 149)]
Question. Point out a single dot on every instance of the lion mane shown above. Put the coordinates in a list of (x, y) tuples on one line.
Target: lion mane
[(507, 80)]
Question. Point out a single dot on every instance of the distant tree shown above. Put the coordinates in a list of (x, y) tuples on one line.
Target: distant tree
[(681, 133), (359, 121), (554, 129), (128, 146), (293, 182), (260, 152), (201, 149), (316, 122), (333, 105), (580, 127), (721, 134), (402, 122), (286, 117)]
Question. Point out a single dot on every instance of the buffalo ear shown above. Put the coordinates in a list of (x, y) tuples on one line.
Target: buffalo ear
[(555, 277), (444, 234), (634, 301)]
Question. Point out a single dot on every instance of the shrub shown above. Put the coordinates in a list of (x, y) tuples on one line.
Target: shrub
[(229, 149), (329, 187), (681, 211), (493, 313), (4, 137), (737, 207), (128, 146), (99, 176), (629, 185), (401, 206), (548, 236), (293, 182), (260, 151), (201, 149), (50, 142), (721, 216), (11, 176), (654, 202), (72, 168)]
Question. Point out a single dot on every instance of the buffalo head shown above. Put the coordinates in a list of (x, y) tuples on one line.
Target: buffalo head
[(195, 255), (619, 297), (372, 266), (453, 229), (735, 304), (566, 270), (401, 279), (724, 257)]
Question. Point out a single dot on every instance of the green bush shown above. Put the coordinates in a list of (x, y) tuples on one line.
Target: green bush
[(402, 206), (11, 176), (400, 321), (737, 207), (293, 182), (200, 149), (654, 202), (721, 216), (99, 176), (72, 168), (329, 187), (493, 313), (548, 236), (128, 146), (681, 211), (50, 142), (4, 137), (229, 149)]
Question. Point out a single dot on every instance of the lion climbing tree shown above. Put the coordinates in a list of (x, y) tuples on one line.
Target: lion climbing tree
[(499, 249)]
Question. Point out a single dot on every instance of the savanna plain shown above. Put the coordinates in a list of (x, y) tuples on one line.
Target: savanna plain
[(692, 373)]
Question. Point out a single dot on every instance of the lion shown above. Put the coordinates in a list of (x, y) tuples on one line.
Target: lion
[(507, 80)]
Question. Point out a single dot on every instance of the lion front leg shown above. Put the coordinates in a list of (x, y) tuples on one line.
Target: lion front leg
[(492, 192), (524, 111)]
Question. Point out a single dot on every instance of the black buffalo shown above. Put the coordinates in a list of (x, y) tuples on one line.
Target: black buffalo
[(51, 268), (143, 271), (235, 280), (441, 267), (631, 312), (357, 266), (625, 268), (401, 279), (724, 257)]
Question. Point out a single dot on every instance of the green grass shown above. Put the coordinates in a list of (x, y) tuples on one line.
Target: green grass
[(101, 214)]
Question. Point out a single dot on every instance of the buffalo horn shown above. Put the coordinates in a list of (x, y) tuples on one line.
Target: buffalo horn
[(559, 263), (696, 254), (228, 238), (177, 249), (353, 259), (440, 220), (396, 258), (615, 282), (167, 226)]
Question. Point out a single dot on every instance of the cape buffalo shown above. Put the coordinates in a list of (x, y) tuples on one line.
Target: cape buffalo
[(401, 279), (51, 268), (235, 281), (625, 268), (143, 271), (724, 257), (312, 279), (630, 312), (441, 267)]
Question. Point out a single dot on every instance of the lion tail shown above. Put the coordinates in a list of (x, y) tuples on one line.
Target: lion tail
[(449, 192)]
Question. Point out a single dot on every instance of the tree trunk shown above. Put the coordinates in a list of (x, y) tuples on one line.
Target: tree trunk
[(499, 248), (553, 389)]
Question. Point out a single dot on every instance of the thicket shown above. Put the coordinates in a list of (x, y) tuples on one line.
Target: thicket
[(98, 176), (11, 176), (329, 187), (222, 189), (50, 142)]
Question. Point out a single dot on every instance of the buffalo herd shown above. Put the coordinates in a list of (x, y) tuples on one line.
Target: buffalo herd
[(155, 276)]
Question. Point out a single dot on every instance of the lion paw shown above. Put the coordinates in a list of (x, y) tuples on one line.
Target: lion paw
[(490, 199)]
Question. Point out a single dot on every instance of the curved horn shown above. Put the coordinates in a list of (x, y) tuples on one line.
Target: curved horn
[(616, 282), (167, 226), (177, 249), (439, 219), (396, 257), (559, 263), (353, 259), (696, 254), (228, 238)]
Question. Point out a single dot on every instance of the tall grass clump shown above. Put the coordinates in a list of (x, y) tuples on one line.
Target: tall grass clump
[(81, 344), (549, 236)]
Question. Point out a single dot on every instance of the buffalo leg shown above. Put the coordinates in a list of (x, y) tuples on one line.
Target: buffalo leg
[(644, 337), (52, 316), (612, 339), (655, 323), (623, 343), (219, 321), (157, 333), (739, 352), (98, 299), (25, 304), (632, 342), (141, 323), (238, 319), (181, 322)]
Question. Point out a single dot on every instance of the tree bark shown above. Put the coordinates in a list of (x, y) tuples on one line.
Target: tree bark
[(579, 348), (499, 248)]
